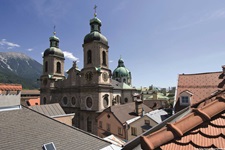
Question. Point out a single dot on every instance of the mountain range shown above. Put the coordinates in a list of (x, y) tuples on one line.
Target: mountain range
[(19, 68)]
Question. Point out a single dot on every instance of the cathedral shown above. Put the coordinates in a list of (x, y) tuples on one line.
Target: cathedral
[(86, 92)]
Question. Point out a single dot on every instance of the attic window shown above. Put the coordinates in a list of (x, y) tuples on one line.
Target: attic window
[(184, 99), (49, 146)]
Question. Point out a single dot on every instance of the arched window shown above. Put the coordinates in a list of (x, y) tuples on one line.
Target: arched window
[(104, 58), (58, 67), (117, 99), (126, 100), (89, 126), (65, 101), (106, 100), (124, 80), (89, 57), (44, 100), (46, 66), (89, 102), (73, 101)]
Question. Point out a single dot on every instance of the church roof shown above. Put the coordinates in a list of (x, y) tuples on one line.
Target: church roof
[(28, 129)]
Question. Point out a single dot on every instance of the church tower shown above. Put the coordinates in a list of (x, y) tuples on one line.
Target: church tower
[(53, 68), (96, 89)]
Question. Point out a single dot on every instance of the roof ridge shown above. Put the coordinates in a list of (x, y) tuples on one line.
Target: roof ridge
[(184, 125), (200, 73)]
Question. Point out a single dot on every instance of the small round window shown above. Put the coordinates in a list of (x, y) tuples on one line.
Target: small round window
[(89, 102), (73, 101), (65, 101)]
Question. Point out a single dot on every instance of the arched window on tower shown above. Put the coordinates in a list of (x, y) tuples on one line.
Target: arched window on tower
[(89, 57), (46, 66), (58, 67), (89, 126), (103, 58)]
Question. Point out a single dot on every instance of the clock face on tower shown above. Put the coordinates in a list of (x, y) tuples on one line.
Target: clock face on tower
[(105, 76), (89, 76)]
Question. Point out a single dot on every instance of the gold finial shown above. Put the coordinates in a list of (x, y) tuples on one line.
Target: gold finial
[(54, 31), (95, 7)]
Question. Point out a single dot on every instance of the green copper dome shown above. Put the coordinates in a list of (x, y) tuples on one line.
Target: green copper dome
[(54, 47), (121, 70), (53, 51), (95, 34)]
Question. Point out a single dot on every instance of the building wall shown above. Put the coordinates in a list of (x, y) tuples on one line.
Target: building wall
[(109, 118), (138, 125), (65, 119), (7, 100)]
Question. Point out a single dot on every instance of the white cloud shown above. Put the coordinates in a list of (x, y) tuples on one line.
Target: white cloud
[(8, 45), (70, 56), (110, 61), (30, 49)]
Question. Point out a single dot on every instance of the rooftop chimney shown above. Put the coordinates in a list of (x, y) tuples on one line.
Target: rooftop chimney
[(138, 107), (223, 67)]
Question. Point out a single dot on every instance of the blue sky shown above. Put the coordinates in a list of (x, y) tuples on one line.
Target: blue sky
[(157, 39)]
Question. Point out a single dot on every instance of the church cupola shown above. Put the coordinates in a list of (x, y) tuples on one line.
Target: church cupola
[(95, 33), (95, 46), (121, 73), (54, 47), (54, 41)]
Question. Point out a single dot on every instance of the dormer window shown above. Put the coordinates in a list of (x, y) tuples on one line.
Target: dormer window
[(185, 98)]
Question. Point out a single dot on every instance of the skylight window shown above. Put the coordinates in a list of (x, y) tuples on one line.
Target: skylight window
[(49, 146)]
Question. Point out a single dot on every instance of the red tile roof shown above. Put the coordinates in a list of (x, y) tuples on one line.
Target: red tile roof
[(10, 87), (200, 85), (34, 101), (202, 128)]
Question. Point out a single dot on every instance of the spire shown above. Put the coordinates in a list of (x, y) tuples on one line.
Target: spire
[(54, 32), (120, 62), (95, 14)]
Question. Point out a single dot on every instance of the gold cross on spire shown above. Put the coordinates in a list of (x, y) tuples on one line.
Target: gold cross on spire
[(95, 7), (54, 30)]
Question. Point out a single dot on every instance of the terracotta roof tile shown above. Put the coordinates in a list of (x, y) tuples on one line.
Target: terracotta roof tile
[(10, 87), (34, 101), (202, 128)]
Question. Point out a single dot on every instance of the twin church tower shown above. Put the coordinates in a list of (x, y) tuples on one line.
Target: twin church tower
[(86, 92)]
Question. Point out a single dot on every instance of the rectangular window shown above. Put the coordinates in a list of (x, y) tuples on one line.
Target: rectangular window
[(133, 131), (120, 131), (100, 124), (184, 99), (108, 127), (147, 122)]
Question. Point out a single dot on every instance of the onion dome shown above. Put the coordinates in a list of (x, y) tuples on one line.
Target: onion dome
[(121, 70), (54, 47), (95, 33)]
